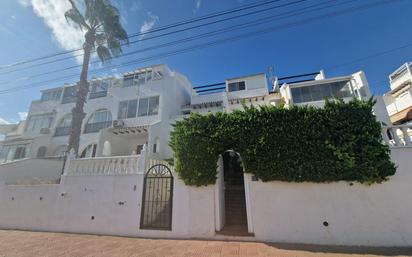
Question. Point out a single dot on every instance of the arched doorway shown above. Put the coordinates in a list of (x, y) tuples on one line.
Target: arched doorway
[(235, 221)]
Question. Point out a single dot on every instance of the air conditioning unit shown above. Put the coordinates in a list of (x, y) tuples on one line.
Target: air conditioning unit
[(118, 123), (44, 131)]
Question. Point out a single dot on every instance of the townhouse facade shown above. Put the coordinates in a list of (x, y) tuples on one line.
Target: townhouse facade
[(123, 114), (399, 99)]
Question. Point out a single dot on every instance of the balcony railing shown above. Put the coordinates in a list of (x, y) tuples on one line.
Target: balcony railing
[(62, 131), (116, 165), (94, 95), (96, 127), (398, 136), (69, 99)]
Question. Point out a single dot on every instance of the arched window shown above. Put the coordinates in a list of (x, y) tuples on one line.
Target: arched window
[(41, 152), (100, 119), (60, 151), (64, 126), (89, 151)]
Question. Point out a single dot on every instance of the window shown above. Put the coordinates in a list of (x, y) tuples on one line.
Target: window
[(70, 94), (138, 78), (99, 120), (128, 81), (51, 95), (89, 151), (153, 105), (320, 92), (99, 89), (142, 107), (236, 86), (148, 106), (37, 122), (12, 152), (127, 109), (64, 127)]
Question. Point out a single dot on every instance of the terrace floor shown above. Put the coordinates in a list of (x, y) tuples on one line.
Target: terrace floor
[(33, 244)]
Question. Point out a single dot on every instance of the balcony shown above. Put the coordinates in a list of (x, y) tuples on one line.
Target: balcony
[(71, 99), (96, 127), (62, 131), (94, 95), (400, 77)]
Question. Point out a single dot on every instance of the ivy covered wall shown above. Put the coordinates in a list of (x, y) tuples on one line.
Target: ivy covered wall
[(340, 142)]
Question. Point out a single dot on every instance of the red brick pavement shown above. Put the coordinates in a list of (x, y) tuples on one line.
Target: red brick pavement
[(33, 244)]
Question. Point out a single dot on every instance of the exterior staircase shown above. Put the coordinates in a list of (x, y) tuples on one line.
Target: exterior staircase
[(235, 211)]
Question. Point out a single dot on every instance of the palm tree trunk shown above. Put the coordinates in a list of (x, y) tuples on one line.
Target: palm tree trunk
[(77, 112)]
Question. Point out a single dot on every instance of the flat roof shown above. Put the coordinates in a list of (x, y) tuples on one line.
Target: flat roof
[(247, 76), (320, 81)]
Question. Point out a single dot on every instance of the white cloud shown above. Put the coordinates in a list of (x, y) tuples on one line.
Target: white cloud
[(22, 115), (52, 12), (149, 23), (198, 3), (136, 6), (3, 121)]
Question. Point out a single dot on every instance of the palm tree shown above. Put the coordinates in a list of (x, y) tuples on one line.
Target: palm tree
[(103, 34)]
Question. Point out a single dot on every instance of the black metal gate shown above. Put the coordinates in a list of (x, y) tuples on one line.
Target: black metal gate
[(157, 201)]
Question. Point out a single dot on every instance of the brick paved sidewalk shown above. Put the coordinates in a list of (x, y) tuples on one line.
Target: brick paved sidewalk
[(33, 244)]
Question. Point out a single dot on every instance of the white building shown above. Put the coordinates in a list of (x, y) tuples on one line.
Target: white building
[(399, 99), (123, 114), (124, 193)]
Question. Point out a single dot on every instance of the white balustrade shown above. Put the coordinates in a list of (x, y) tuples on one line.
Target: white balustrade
[(113, 165), (398, 136)]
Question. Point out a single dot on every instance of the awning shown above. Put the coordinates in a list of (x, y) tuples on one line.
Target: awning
[(402, 116), (130, 130)]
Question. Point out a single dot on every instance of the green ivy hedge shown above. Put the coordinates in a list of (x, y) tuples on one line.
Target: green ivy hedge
[(341, 141)]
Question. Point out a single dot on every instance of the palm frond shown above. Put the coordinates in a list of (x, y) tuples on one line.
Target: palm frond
[(114, 46), (76, 17), (104, 54)]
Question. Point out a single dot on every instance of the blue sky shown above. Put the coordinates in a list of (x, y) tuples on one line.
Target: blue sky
[(33, 28)]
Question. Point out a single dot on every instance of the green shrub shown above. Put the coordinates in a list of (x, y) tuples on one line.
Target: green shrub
[(340, 142)]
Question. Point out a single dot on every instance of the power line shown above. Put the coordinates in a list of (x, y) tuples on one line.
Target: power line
[(368, 57), (216, 32), (166, 34), (173, 25), (205, 45)]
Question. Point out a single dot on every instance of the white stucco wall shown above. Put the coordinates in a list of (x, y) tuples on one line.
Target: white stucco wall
[(69, 207), (378, 215), (31, 171)]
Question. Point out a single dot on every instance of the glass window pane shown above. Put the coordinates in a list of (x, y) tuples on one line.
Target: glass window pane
[(131, 109), (128, 81), (317, 93), (296, 96), (306, 96), (122, 114), (143, 107), (153, 105), (242, 85)]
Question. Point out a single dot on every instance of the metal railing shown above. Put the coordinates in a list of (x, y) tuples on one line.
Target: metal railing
[(398, 136), (114, 165), (93, 95), (97, 126), (62, 131)]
